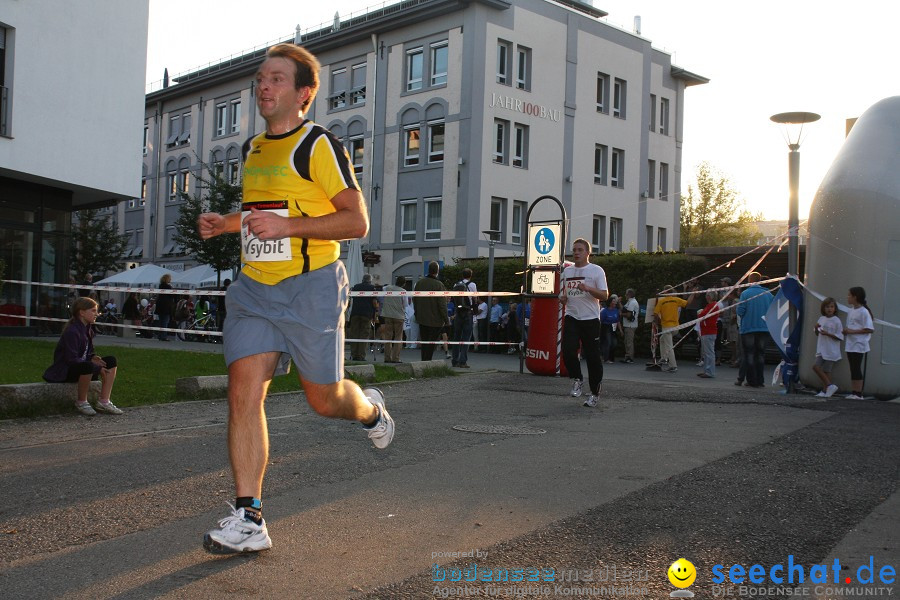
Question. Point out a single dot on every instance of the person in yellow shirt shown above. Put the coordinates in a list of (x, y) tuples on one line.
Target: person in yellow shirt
[(666, 315), (299, 198)]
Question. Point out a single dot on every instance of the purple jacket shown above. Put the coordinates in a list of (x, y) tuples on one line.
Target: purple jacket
[(76, 345)]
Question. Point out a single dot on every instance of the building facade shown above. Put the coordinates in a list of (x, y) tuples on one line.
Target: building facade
[(457, 116), (70, 115)]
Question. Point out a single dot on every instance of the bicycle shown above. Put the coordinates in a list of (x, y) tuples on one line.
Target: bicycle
[(103, 324), (206, 322)]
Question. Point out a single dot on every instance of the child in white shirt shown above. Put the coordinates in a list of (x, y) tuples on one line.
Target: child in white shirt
[(858, 331), (829, 330)]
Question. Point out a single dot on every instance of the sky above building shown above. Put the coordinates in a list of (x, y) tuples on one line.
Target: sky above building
[(766, 57)]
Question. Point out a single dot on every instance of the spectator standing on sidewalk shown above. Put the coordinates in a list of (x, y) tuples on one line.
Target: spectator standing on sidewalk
[(462, 320), (362, 314), (393, 313), (754, 304), (431, 311), (666, 315), (482, 325), (709, 318), (631, 312)]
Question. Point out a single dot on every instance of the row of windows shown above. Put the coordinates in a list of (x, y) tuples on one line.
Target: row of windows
[(409, 219), (227, 122), (501, 154), (434, 144), (522, 58), (663, 180), (663, 122), (348, 87), (437, 59), (598, 235), (619, 95), (498, 220)]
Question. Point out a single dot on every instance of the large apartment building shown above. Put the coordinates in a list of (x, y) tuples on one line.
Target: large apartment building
[(70, 117), (456, 115)]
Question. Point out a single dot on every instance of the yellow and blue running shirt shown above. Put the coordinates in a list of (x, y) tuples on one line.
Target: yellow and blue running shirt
[(295, 175)]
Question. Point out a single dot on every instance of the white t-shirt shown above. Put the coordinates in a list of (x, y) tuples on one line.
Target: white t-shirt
[(482, 311), (581, 305), (827, 347), (632, 305), (858, 318)]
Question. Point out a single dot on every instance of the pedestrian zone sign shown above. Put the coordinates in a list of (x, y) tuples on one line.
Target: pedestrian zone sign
[(544, 245)]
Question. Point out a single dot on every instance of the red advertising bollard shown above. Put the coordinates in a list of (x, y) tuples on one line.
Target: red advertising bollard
[(544, 353)]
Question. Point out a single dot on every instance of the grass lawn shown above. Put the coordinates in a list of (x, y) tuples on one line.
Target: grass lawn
[(146, 376)]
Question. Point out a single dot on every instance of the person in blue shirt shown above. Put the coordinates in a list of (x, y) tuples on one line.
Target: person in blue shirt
[(609, 323), (495, 315), (751, 308)]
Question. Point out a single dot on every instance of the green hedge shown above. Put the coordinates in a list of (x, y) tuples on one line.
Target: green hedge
[(646, 272)]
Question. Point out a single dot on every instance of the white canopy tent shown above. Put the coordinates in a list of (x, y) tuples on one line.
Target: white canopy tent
[(203, 276), (146, 275)]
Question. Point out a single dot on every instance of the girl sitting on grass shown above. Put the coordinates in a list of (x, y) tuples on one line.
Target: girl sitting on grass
[(74, 360)]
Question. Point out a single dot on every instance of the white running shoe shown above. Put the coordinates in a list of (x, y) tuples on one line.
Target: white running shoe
[(382, 432), (591, 402), (108, 408), (821, 394), (576, 388), (830, 390), (237, 534), (85, 409), (854, 396)]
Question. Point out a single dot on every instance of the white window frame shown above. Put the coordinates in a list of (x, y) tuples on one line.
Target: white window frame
[(520, 146), (174, 130), (234, 116), (498, 224), (338, 97), (146, 139), (504, 49), (617, 168), (663, 181), (601, 156), (523, 68), (172, 185), (602, 93), (221, 118), (408, 235), (664, 116), (620, 97), (652, 112), (415, 83), (501, 141), (598, 234), (518, 222), (436, 155), (432, 204), (661, 238), (411, 159), (357, 158), (615, 235), (439, 77), (357, 92)]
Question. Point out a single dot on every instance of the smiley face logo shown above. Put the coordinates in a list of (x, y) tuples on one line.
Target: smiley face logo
[(682, 573)]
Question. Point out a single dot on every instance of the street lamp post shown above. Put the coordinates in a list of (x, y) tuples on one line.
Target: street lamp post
[(793, 126), (491, 235)]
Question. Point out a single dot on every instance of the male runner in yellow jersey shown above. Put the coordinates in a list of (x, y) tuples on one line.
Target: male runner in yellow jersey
[(299, 197)]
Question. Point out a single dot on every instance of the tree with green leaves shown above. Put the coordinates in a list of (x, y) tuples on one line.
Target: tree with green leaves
[(95, 246), (712, 214), (214, 194)]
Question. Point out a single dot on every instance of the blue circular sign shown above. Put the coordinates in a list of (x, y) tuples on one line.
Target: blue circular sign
[(544, 240)]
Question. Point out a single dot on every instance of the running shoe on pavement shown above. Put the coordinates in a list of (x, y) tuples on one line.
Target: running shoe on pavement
[(591, 402), (576, 388), (829, 391), (236, 533), (382, 432)]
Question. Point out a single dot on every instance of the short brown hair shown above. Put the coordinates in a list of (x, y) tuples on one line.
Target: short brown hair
[(587, 245), (306, 67), (825, 303)]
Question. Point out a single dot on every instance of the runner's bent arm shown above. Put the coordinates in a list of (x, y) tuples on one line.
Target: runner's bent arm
[(350, 221)]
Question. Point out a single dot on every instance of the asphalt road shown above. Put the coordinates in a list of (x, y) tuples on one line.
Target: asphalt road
[(115, 507)]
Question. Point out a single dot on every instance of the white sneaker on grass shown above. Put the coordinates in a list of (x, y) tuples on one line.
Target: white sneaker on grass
[(576, 388), (382, 432), (108, 408), (236, 533), (85, 408)]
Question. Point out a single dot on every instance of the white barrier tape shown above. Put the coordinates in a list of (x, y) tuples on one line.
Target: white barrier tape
[(716, 313), (122, 325), (722, 289), (846, 309), (449, 343), (195, 292)]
